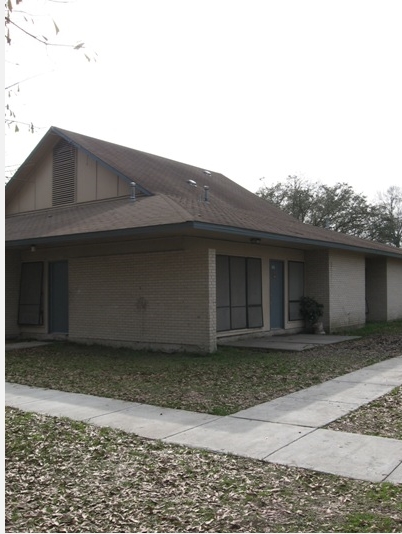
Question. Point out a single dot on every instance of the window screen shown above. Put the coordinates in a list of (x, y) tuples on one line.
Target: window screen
[(296, 289), (254, 293), (30, 309), (222, 293), (238, 292)]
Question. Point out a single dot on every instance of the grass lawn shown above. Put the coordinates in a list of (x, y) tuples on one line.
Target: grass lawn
[(221, 383), (66, 476)]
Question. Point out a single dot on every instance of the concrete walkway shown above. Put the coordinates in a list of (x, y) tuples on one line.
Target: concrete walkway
[(284, 431)]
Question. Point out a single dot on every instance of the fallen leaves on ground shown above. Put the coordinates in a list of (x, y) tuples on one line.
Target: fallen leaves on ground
[(381, 417), (222, 383), (66, 476)]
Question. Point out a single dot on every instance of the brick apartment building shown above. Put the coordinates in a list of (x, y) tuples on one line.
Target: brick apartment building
[(106, 244)]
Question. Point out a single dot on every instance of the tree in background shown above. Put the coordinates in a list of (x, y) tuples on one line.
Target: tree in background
[(339, 208), (388, 223), (295, 196)]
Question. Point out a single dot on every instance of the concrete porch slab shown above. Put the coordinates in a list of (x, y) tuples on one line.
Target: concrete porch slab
[(294, 342), (265, 344)]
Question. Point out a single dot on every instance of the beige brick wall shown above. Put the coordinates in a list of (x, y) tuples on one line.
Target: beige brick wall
[(394, 289), (336, 279), (347, 289), (120, 291), (161, 293), (159, 299)]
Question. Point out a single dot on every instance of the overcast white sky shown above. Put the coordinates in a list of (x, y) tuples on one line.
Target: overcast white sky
[(252, 89)]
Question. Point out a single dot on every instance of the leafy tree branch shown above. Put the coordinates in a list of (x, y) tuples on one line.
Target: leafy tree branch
[(18, 22)]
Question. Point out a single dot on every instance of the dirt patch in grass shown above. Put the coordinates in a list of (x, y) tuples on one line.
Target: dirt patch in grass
[(221, 383), (65, 476)]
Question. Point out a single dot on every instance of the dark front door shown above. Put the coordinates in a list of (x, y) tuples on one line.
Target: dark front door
[(276, 294), (58, 297)]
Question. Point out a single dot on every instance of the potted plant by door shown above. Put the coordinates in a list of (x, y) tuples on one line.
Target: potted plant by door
[(312, 312)]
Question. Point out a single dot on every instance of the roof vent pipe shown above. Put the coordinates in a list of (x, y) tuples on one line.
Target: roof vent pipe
[(132, 195), (206, 189)]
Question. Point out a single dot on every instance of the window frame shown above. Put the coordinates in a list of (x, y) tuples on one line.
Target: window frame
[(293, 301), (239, 296)]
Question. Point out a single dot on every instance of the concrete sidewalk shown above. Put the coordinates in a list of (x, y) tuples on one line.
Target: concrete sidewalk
[(284, 431)]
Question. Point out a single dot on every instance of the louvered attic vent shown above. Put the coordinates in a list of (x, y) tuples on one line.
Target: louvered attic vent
[(64, 173)]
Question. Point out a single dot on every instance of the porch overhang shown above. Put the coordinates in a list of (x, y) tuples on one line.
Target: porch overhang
[(197, 229)]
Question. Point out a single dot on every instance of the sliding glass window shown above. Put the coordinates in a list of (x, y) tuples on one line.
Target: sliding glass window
[(238, 293), (296, 288)]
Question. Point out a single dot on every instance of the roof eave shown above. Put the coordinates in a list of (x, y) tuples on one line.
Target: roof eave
[(99, 236), (295, 240), (169, 229)]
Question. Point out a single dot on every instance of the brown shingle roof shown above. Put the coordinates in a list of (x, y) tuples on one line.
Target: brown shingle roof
[(112, 215), (169, 200)]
